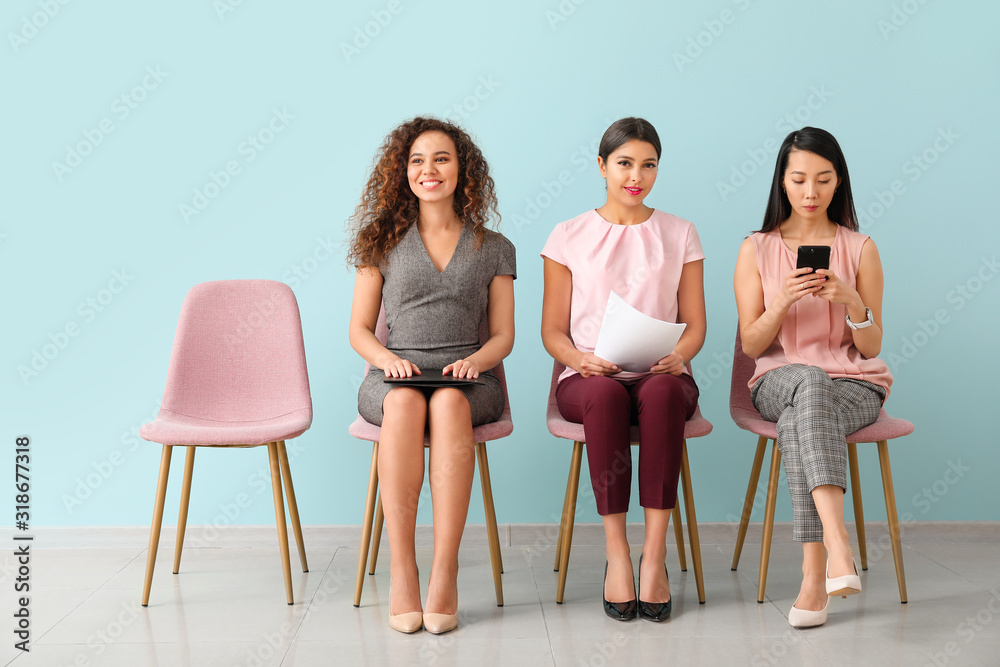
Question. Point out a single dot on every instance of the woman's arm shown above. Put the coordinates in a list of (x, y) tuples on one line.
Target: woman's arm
[(500, 315), (759, 325), (556, 304), (361, 331), (868, 293), (691, 311)]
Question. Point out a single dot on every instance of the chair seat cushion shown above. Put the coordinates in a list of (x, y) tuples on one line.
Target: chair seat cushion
[(696, 427), (884, 428), (171, 428), (501, 428)]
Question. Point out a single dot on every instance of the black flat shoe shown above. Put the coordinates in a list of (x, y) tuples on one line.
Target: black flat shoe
[(654, 611), (620, 611)]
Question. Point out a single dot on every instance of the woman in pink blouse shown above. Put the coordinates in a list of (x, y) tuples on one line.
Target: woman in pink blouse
[(653, 260), (815, 334)]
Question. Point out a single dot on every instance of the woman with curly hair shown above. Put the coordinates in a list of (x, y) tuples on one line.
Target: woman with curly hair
[(422, 250)]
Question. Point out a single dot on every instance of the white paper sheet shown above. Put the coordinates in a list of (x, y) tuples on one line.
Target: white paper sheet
[(632, 340)]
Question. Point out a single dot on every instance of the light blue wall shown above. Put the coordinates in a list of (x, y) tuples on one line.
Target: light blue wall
[(536, 82)]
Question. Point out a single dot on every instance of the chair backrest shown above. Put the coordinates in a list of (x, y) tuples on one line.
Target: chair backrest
[(743, 370), (238, 353)]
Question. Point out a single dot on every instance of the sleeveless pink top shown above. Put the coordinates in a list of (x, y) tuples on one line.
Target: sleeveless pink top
[(815, 331)]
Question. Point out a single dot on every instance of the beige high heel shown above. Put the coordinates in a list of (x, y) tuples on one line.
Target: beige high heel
[(440, 623), (849, 584), (407, 622)]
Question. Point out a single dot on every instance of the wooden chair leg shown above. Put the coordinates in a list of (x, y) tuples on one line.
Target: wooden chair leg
[(492, 532), (563, 519), (293, 507), (366, 529), (765, 542), (279, 518), (376, 534), (675, 515), (182, 514), (859, 510), (569, 516), (890, 512), (154, 529), (758, 461), (692, 520)]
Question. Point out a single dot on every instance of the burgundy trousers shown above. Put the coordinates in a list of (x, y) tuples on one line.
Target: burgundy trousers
[(607, 407)]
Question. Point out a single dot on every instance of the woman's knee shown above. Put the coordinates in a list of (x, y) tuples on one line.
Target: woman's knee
[(812, 379), (449, 401), (405, 401)]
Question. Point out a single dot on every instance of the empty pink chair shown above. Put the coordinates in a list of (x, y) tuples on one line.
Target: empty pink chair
[(371, 532), (747, 418), (695, 427), (237, 378)]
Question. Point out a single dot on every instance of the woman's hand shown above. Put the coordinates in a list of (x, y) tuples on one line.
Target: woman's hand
[(400, 368), (799, 283), (590, 364), (673, 363), (463, 368), (836, 290)]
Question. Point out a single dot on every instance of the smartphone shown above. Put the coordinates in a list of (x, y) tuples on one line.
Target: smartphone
[(813, 256)]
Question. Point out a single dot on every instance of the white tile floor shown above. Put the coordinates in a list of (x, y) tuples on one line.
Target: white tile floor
[(227, 605)]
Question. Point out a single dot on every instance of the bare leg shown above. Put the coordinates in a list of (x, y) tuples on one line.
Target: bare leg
[(829, 501), (401, 474), (452, 464), (620, 585), (652, 575)]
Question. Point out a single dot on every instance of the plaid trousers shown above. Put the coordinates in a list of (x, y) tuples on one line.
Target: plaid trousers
[(814, 414)]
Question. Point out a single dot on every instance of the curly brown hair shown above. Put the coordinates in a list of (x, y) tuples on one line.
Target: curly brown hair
[(389, 208)]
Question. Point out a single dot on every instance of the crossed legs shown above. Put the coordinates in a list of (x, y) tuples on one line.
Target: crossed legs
[(814, 414), (406, 413)]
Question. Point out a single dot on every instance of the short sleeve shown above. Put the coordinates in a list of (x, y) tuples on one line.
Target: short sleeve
[(506, 257), (692, 248), (555, 246)]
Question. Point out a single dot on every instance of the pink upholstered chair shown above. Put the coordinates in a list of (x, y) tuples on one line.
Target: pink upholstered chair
[(371, 535), (237, 378), (695, 427), (747, 418)]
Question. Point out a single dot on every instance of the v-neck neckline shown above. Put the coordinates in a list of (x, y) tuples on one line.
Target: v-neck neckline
[(427, 254)]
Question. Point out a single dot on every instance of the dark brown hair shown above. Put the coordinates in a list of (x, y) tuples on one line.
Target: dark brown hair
[(389, 208), (625, 130)]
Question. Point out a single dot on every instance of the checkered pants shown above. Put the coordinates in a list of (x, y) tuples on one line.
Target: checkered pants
[(814, 414)]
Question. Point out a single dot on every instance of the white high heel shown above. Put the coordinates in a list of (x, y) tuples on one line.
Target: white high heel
[(805, 618), (849, 584)]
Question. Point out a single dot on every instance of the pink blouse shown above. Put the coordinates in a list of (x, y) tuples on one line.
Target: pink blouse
[(815, 331), (641, 262)]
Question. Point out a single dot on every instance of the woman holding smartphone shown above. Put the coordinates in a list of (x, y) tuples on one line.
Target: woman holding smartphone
[(653, 260), (816, 334), (422, 250)]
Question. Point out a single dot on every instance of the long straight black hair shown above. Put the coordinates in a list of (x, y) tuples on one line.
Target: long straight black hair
[(823, 144)]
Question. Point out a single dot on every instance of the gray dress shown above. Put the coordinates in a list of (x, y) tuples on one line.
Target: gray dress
[(433, 317)]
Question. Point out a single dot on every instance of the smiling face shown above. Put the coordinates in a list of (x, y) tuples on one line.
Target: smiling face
[(809, 182), (432, 168), (630, 172)]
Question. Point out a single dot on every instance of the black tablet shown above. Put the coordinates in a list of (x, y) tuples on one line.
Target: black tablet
[(433, 379)]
